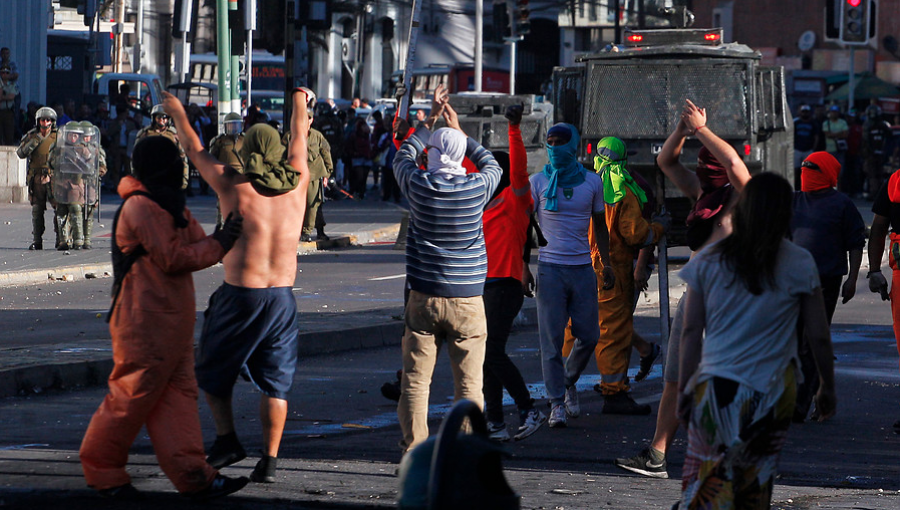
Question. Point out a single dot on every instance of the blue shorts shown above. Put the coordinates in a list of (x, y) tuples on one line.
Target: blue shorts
[(252, 328)]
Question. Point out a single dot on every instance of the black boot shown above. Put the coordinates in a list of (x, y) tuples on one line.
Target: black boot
[(225, 451), (622, 403), (264, 472)]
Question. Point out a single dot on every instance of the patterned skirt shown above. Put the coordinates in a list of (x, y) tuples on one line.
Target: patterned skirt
[(734, 439)]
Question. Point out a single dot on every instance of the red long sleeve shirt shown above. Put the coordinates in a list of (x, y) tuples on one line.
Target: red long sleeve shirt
[(506, 218)]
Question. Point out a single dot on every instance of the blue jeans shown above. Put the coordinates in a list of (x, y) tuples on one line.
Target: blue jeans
[(565, 292)]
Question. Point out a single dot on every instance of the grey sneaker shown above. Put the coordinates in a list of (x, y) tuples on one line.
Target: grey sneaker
[(498, 432), (533, 421), (573, 409), (557, 416), (643, 464)]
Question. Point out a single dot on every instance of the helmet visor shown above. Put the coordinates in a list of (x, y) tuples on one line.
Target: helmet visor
[(233, 127)]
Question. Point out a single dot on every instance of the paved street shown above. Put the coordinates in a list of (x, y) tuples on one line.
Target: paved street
[(340, 448)]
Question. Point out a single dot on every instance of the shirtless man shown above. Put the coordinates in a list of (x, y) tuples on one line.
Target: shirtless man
[(714, 188), (252, 317)]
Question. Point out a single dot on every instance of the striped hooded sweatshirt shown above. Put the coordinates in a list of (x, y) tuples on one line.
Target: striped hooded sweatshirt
[(445, 253)]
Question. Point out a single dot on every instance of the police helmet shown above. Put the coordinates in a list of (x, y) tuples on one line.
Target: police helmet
[(158, 110), (45, 112), (873, 111), (234, 123)]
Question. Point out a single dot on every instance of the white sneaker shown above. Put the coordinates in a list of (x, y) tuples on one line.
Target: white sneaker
[(557, 417), (532, 423), (573, 409), (498, 432)]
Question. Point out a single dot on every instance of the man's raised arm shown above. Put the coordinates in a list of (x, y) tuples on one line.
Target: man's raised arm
[(212, 170), (297, 152)]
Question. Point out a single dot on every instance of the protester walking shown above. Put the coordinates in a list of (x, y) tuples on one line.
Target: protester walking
[(567, 198), (156, 245), (828, 225), (250, 326), (628, 232), (506, 221), (719, 177), (887, 223), (738, 383), (446, 263)]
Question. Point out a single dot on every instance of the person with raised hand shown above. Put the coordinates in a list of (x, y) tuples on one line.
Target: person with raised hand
[(251, 322)]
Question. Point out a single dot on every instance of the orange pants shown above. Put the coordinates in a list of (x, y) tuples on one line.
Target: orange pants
[(895, 286), (613, 351), (152, 384)]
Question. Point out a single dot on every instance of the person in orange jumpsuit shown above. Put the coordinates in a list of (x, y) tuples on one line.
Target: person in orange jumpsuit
[(628, 233), (887, 223), (156, 246)]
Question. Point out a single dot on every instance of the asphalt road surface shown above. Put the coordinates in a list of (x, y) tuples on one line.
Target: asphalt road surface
[(340, 447)]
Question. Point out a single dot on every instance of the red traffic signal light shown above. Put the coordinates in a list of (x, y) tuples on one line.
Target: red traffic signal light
[(854, 3)]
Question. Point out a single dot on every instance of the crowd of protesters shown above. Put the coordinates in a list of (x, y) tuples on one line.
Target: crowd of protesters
[(752, 327)]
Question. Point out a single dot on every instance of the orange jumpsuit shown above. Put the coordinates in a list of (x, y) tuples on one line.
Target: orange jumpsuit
[(628, 232), (152, 328)]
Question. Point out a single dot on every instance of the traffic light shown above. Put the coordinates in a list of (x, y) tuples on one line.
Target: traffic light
[(86, 7), (270, 25), (523, 12), (857, 21)]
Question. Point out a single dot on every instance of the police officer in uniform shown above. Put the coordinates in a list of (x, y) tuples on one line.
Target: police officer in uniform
[(160, 125), (75, 166), (91, 184), (226, 147), (876, 132), (36, 145)]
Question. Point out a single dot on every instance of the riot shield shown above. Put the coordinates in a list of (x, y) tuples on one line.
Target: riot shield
[(75, 161)]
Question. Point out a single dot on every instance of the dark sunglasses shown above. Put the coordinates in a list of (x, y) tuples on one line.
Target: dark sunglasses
[(810, 165)]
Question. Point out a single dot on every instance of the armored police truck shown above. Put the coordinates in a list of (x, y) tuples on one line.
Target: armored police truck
[(481, 116), (636, 92)]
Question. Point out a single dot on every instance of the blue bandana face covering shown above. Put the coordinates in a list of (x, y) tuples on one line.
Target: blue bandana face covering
[(564, 169)]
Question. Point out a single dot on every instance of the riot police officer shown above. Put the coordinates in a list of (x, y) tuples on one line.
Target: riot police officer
[(74, 163), (91, 146), (36, 145), (160, 125)]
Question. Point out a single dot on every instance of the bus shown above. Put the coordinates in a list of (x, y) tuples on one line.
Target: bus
[(268, 71)]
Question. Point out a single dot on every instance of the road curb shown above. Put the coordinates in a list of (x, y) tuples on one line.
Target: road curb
[(96, 363), (88, 271), (65, 273)]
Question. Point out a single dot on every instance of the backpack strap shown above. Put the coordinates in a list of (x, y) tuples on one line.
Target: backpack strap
[(122, 262)]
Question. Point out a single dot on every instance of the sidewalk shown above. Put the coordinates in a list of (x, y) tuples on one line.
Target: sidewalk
[(349, 222), (26, 370)]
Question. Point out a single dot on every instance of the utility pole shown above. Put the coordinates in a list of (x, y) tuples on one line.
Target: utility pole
[(119, 40), (479, 42), (223, 50), (139, 41)]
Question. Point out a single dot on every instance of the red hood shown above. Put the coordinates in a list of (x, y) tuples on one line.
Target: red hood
[(128, 185)]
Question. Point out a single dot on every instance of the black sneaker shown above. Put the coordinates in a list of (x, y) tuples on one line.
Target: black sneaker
[(391, 390), (125, 492), (643, 464), (220, 486), (264, 472), (622, 403), (225, 451), (322, 237), (305, 238), (647, 362), (37, 245)]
